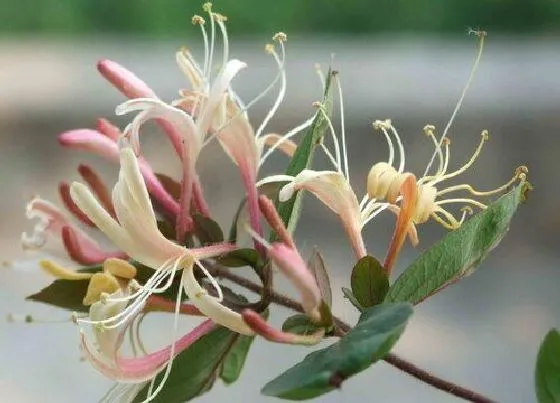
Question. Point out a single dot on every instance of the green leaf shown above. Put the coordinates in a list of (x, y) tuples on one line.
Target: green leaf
[(547, 373), (350, 297), (299, 324), (195, 369), (459, 253), (316, 264), (377, 331), (207, 230), (303, 157), (241, 258), (369, 282), (66, 294), (235, 360)]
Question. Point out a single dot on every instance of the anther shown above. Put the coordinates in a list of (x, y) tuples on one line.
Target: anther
[(485, 135), (269, 48), (219, 17), (207, 7), (316, 104), (280, 37), (446, 141), (197, 19), (429, 130)]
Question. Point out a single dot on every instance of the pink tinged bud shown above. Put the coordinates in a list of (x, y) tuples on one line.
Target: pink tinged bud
[(274, 220), (262, 328), (108, 129), (124, 80), (290, 262), (64, 192), (84, 252), (144, 368), (409, 192), (334, 191)]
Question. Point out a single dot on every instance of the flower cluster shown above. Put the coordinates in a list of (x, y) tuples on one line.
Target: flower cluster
[(133, 214)]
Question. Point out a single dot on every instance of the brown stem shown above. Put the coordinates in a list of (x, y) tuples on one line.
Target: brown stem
[(341, 328)]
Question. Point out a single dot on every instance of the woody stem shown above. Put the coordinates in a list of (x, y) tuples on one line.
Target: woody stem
[(342, 328)]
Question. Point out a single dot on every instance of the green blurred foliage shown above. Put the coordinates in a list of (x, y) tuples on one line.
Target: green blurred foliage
[(170, 17)]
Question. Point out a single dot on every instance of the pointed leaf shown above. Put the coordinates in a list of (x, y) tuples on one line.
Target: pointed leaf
[(235, 360), (66, 294), (547, 374), (350, 297), (316, 264), (459, 253), (207, 230), (299, 324), (377, 331), (240, 258), (369, 282), (303, 157)]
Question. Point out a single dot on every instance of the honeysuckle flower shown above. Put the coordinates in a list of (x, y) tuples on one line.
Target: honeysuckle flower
[(383, 179), (137, 234)]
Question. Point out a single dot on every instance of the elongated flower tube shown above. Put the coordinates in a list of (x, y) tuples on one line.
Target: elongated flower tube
[(137, 234)]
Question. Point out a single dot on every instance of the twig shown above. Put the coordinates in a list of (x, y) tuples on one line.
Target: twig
[(341, 328)]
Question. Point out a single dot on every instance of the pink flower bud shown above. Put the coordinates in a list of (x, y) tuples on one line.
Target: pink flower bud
[(124, 80)]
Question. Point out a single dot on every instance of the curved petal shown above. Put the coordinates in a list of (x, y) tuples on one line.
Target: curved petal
[(210, 306), (215, 97), (334, 191), (124, 80)]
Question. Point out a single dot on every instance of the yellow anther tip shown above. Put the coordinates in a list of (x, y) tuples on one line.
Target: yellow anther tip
[(485, 135), (219, 17), (280, 37), (429, 129), (207, 7), (197, 19), (316, 104), (269, 48)]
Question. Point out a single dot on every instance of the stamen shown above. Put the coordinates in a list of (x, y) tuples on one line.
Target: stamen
[(400, 145), (212, 280), (282, 92), (481, 35), (451, 222), (286, 137), (484, 138), (334, 137), (329, 155), (220, 19), (208, 8), (462, 200), (378, 126), (154, 393), (429, 131), (342, 128)]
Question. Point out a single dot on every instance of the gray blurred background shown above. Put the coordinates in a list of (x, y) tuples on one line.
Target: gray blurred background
[(407, 61)]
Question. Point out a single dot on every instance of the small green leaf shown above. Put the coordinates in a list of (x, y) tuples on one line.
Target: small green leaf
[(241, 258), (235, 360), (377, 331), (547, 373), (194, 370), (350, 297), (299, 324), (66, 294), (207, 230), (459, 253), (316, 264), (369, 282), (303, 157)]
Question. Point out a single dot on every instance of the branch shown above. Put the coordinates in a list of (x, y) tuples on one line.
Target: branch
[(341, 328)]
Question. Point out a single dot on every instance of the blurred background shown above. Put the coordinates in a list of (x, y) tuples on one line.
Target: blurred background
[(404, 60)]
